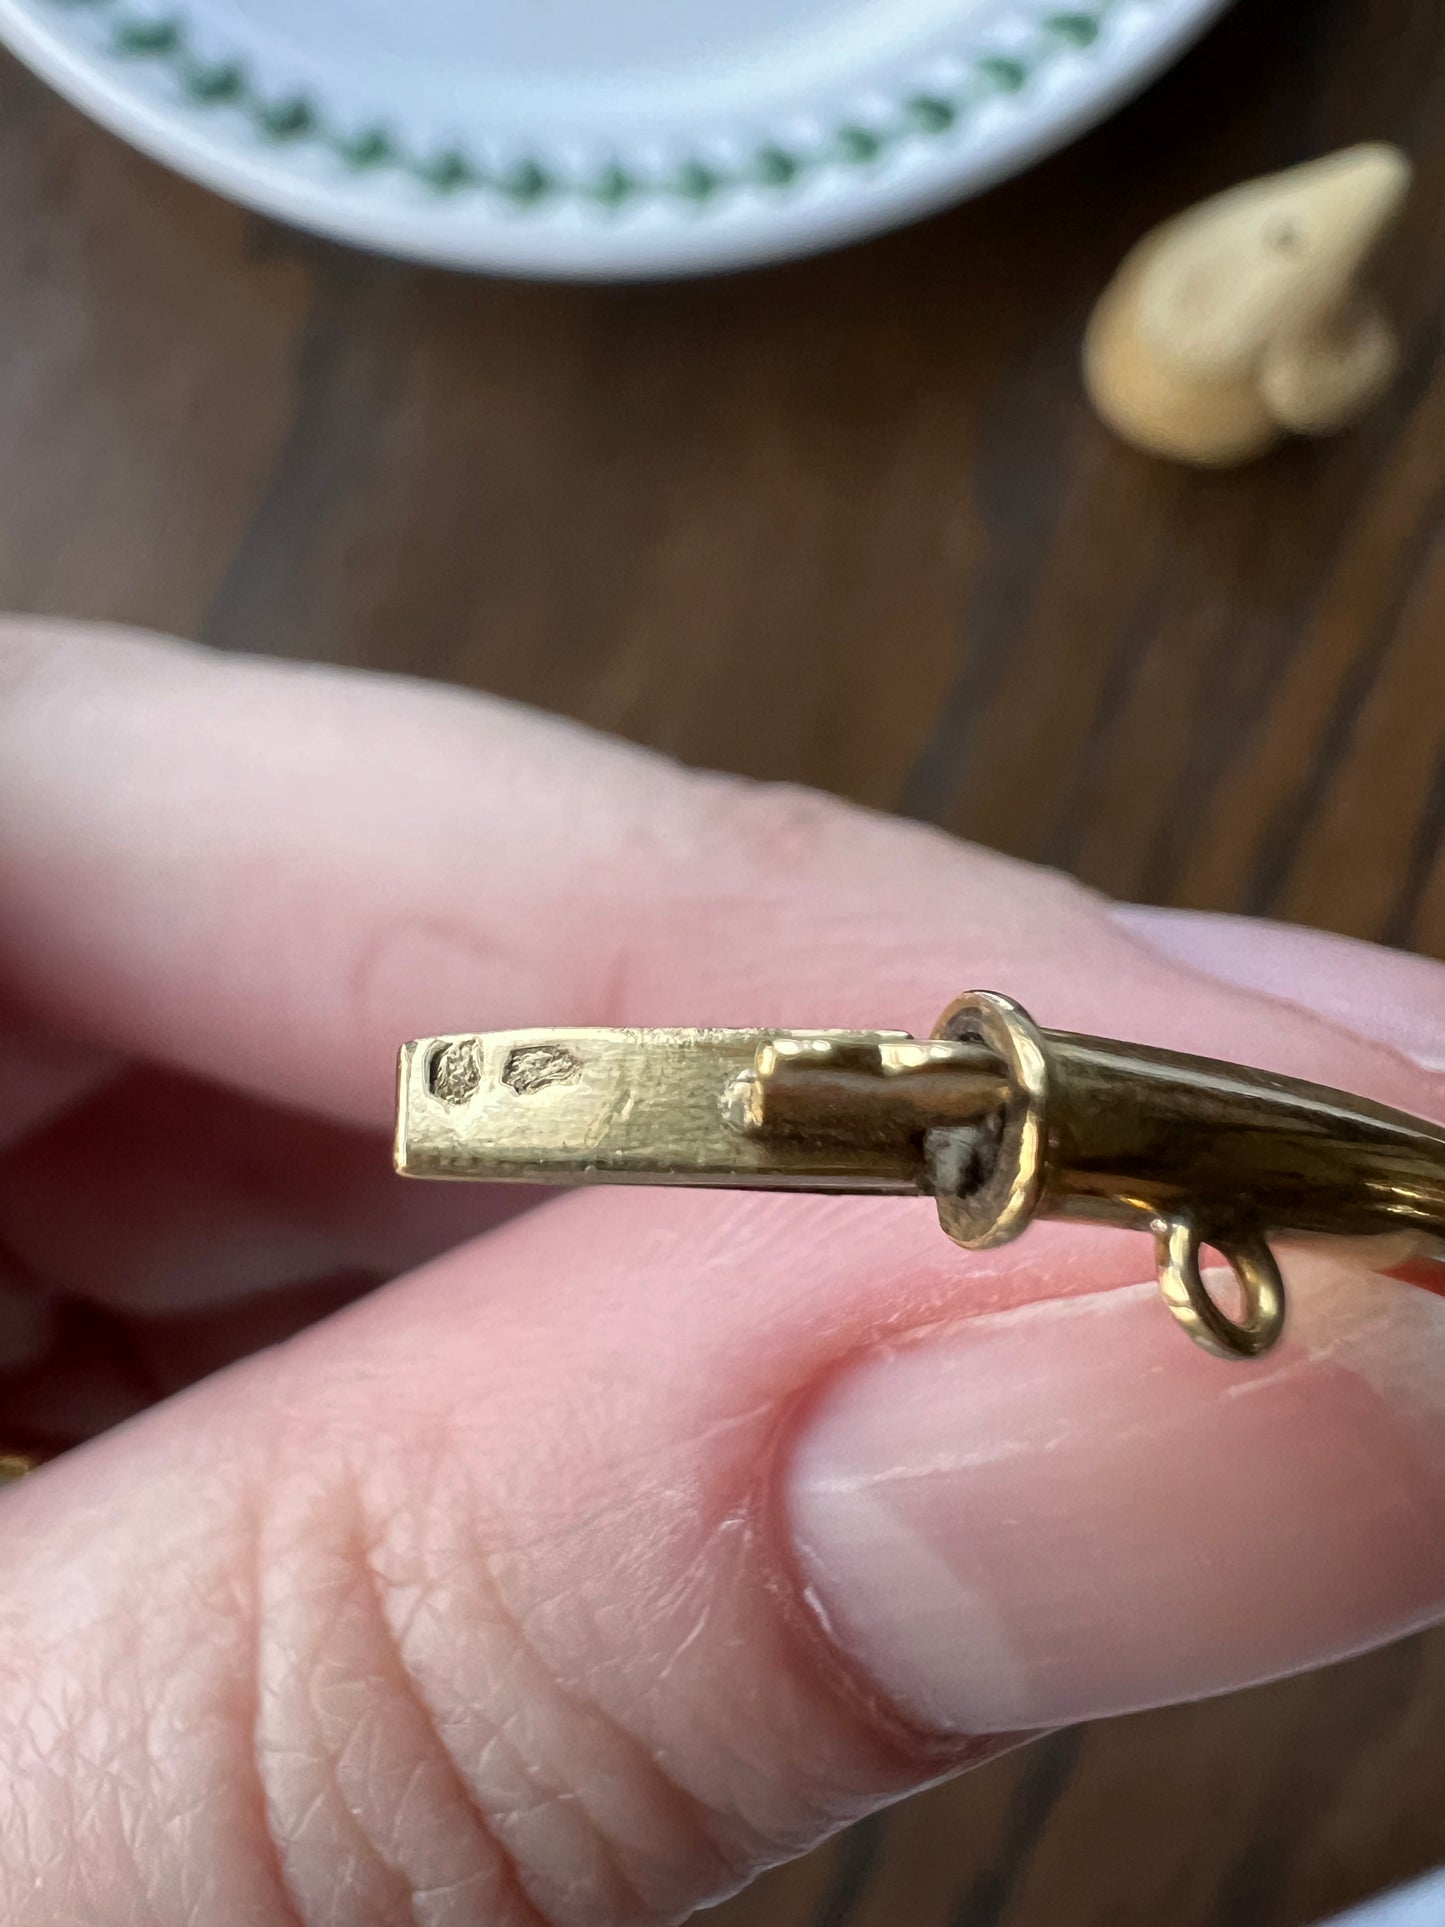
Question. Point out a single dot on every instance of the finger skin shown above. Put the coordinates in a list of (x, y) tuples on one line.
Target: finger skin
[(495, 1596), (270, 874), (543, 1584), (533, 1634), (160, 1194), (42, 1076)]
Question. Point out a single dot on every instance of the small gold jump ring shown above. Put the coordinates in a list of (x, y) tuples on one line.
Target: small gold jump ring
[(979, 1208), (1178, 1242)]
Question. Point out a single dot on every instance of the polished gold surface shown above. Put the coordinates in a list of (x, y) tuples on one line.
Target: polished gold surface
[(786, 1110), (1000, 1122), (14, 1465)]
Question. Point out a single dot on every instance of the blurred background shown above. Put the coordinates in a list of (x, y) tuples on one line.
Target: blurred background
[(848, 522)]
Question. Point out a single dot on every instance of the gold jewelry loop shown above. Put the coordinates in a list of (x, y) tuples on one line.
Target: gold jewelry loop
[(988, 1177), (1178, 1243)]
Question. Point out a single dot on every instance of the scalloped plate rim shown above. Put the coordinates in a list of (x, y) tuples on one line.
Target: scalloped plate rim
[(747, 226)]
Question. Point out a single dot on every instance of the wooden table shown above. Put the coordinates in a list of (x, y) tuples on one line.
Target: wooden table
[(848, 522)]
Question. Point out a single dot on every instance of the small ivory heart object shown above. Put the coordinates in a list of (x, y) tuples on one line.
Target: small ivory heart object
[(1246, 318)]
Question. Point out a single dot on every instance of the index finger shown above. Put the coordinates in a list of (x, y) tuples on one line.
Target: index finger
[(271, 874)]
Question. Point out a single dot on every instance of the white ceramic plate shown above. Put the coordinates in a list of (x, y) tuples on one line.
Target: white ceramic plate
[(598, 137)]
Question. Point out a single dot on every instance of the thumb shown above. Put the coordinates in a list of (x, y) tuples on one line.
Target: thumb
[(474, 1604), (653, 1537)]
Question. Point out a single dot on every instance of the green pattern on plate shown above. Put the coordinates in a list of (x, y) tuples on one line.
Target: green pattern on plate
[(139, 33)]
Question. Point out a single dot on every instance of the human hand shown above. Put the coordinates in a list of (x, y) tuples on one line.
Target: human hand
[(644, 1539)]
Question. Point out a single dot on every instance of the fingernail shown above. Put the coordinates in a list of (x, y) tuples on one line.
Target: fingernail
[(1386, 996), (1064, 1511)]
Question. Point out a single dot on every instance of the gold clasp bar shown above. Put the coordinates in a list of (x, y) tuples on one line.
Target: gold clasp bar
[(998, 1121)]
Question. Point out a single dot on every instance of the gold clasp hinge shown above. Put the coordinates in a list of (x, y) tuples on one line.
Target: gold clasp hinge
[(998, 1121)]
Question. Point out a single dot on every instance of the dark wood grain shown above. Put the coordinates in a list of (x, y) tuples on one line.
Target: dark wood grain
[(847, 522)]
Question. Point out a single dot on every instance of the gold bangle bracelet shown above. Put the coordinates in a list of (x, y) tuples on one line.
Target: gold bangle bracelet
[(998, 1121)]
